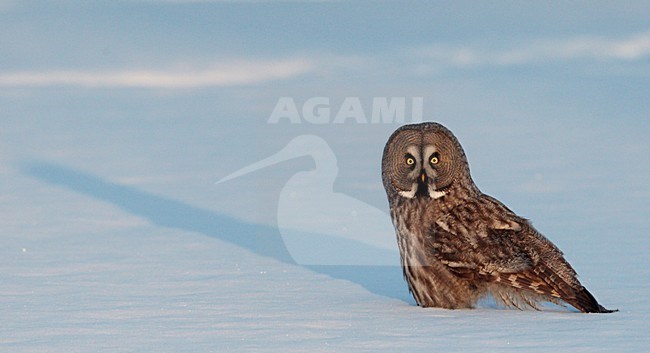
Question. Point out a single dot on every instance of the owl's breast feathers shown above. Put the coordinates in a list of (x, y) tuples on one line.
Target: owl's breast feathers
[(481, 240)]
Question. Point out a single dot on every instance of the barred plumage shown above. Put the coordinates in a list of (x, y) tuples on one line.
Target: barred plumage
[(458, 244)]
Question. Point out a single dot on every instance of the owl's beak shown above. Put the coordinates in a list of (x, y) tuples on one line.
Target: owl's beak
[(423, 176)]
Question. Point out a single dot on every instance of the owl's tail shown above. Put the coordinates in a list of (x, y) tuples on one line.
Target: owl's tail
[(543, 281), (574, 294), (586, 303)]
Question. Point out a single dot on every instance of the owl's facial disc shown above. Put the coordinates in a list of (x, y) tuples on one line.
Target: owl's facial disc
[(425, 161)]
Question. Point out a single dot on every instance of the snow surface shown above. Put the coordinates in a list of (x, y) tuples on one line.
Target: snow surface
[(109, 251)]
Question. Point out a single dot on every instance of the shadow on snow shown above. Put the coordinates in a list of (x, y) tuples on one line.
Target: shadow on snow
[(262, 240)]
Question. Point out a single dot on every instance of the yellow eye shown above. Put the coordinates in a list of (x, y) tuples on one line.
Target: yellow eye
[(434, 160), (410, 160)]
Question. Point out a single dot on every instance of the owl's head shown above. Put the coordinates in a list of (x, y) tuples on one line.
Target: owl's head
[(424, 160)]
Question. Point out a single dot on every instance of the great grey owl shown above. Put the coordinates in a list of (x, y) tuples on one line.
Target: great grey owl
[(458, 244)]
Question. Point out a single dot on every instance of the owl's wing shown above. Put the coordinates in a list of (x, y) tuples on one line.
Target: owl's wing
[(487, 255), (512, 253)]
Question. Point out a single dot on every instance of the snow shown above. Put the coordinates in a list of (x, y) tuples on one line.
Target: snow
[(92, 263)]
